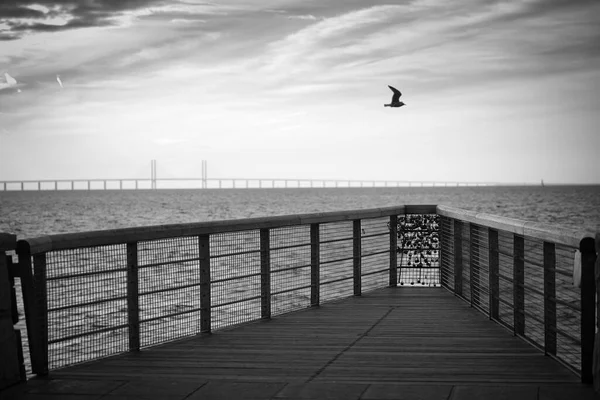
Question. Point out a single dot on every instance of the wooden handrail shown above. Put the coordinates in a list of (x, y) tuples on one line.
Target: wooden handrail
[(545, 232), (126, 235)]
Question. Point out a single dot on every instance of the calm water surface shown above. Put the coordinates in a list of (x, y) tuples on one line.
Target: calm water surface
[(36, 213)]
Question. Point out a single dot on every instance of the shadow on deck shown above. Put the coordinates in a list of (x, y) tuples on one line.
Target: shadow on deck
[(395, 343)]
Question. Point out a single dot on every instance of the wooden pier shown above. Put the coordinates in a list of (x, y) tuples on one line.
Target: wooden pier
[(307, 306), (394, 343)]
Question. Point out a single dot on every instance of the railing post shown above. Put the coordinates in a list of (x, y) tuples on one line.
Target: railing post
[(549, 298), (265, 274), (205, 306), (315, 265), (588, 308), (494, 279), (393, 250), (596, 364), (458, 258), (30, 303), (133, 306), (11, 365), (519, 285), (474, 267), (40, 286), (356, 232)]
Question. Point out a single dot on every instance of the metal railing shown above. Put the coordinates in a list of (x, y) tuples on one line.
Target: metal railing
[(520, 274), (97, 294)]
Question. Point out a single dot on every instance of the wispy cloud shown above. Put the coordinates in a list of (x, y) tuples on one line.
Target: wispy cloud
[(22, 17), (475, 40), (306, 17)]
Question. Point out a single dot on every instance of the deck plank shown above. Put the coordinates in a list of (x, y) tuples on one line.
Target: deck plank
[(390, 335), (419, 338)]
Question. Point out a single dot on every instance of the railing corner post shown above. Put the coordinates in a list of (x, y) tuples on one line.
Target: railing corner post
[(589, 261)]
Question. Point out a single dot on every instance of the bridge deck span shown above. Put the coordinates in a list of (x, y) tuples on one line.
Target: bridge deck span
[(391, 343)]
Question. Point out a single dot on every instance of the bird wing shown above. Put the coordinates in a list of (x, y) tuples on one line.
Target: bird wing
[(397, 94), (9, 79), (59, 81)]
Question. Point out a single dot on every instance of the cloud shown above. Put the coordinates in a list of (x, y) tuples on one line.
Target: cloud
[(307, 17), (474, 42), (28, 16), (187, 21)]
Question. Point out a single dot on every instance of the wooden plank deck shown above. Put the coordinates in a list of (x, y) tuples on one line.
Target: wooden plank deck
[(391, 343)]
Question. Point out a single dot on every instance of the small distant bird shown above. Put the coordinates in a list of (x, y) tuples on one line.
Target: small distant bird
[(59, 81), (10, 82), (395, 98), (9, 79)]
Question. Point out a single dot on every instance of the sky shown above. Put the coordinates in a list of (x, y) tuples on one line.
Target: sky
[(495, 91)]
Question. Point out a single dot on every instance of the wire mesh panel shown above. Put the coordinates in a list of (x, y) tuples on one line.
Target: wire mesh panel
[(290, 268), (568, 309), (375, 253), (480, 271), (169, 292), (466, 260), (534, 291), (419, 249), (505, 278), (551, 305), (235, 278), (336, 271), (447, 252), (86, 303)]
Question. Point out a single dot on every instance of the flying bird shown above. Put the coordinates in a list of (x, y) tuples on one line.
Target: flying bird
[(395, 98), (10, 82), (9, 79), (59, 81)]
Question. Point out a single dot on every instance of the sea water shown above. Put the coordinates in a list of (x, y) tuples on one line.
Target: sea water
[(37, 213)]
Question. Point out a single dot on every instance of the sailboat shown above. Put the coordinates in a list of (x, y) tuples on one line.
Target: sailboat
[(542, 183)]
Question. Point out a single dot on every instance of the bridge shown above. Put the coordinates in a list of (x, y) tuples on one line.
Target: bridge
[(204, 182)]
